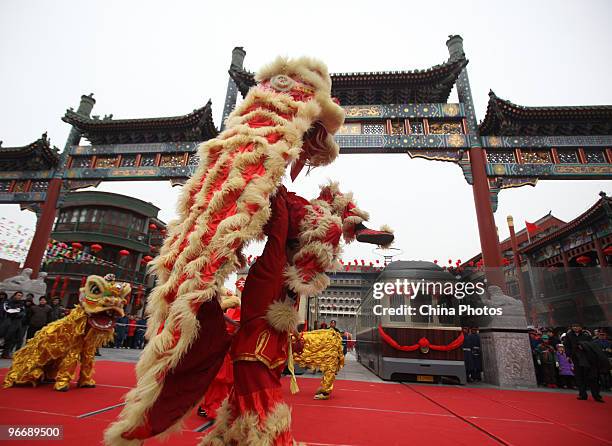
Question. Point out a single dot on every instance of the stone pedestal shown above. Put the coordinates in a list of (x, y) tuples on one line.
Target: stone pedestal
[(506, 357)]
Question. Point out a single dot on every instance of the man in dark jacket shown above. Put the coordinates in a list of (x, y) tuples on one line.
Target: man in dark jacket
[(141, 328), (40, 315), (585, 367), (121, 331), (3, 299), (57, 309), (15, 311)]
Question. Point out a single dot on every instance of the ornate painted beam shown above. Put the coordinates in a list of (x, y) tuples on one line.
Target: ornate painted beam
[(552, 171), (22, 197), (404, 111), (511, 142)]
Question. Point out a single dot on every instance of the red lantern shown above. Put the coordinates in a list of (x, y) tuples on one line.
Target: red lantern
[(436, 262), (124, 252), (96, 248), (147, 259), (506, 262), (471, 263), (608, 251), (152, 226), (583, 260), (77, 245), (450, 262)]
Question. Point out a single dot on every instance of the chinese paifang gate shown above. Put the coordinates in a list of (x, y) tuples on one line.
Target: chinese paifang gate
[(287, 121)]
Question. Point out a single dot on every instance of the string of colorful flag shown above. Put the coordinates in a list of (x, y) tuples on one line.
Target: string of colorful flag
[(60, 252), (15, 240)]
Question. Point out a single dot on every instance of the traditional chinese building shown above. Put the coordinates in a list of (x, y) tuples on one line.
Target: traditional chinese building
[(341, 299), (100, 233), (564, 275)]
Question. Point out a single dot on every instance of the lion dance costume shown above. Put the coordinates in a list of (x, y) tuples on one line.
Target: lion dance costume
[(235, 196), (57, 349), (321, 350), (221, 386)]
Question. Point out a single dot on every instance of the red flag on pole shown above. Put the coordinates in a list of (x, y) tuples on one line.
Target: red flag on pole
[(531, 227)]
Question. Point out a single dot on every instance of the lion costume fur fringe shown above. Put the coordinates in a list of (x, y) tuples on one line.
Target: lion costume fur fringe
[(224, 206)]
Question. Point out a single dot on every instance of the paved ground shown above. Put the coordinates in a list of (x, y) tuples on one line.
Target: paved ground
[(352, 370)]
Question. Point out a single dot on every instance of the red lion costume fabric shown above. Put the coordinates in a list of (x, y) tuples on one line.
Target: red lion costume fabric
[(235, 196)]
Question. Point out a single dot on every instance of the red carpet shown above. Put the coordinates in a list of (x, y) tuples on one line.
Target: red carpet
[(358, 414)]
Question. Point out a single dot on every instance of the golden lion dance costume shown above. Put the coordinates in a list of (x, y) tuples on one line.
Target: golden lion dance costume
[(234, 197), (57, 349), (322, 350)]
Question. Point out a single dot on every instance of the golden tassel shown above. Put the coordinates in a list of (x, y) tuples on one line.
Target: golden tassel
[(294, 386)]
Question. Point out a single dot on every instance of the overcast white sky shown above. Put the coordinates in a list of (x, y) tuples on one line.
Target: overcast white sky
[(161, 58)]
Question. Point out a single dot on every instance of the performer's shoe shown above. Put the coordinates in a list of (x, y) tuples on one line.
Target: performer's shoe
[(322, 396), (202, 413), (63, 389), (599, 399), (87, 386), (583, 398), (373, 237)]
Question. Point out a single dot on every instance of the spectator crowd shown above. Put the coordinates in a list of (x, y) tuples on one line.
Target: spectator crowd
[(572, 358)]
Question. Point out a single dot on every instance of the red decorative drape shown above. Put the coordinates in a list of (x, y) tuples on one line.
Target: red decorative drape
[(422, 343)]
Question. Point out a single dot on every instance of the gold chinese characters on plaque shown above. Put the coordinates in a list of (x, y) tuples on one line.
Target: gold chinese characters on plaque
[(350, 128)]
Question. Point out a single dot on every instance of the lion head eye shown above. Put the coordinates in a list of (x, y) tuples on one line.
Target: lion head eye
[(94, 290)]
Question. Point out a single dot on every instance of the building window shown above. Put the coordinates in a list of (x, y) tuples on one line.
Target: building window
[(74, 217), (568, 156), (396, 301), (501, 156), (595, 156)]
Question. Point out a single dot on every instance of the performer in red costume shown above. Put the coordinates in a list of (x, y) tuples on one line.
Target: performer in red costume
[(235, 196), (222, 384), (260, 348)]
